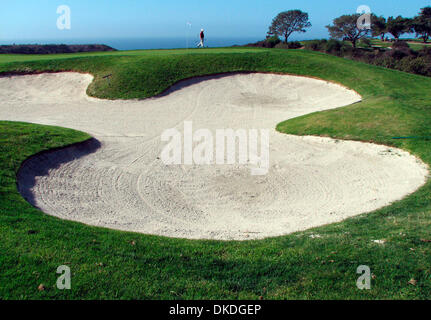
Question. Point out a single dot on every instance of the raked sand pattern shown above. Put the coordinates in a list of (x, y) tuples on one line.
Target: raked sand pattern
[(117, 180)]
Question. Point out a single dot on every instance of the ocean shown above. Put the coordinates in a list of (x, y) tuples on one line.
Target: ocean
[(144, 43)]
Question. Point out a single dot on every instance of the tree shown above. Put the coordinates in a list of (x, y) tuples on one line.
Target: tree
[(397, 26), (288, 22), (378, 26), (346, 28), (421, 24)]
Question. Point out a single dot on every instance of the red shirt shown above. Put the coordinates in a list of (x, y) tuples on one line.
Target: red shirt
[(202, 35)]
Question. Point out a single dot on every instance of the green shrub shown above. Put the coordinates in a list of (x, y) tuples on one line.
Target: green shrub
[(425, 53), (333, 46), (294, 45), (316, 45), (269, 42), (400, 45), (386, 61), (400, 57), (398, 54), (365, 43), (282, 45), (414, 65), (272, 41), (289, 45)]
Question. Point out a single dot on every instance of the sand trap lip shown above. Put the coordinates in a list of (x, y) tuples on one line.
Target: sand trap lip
[(117, 181)]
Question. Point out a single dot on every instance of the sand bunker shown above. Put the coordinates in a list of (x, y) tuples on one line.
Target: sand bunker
[(117, 180)]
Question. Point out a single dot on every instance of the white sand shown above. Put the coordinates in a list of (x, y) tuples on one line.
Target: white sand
[(121, 183)]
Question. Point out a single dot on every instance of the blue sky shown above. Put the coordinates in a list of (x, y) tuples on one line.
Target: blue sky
[(92, 19)]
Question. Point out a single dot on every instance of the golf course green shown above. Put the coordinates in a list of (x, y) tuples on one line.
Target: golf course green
[(395, 242)]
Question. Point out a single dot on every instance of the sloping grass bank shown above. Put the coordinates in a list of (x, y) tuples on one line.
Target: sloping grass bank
[(316, 264)]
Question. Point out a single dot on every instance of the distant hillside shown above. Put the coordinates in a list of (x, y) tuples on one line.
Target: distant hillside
[(53, 48)]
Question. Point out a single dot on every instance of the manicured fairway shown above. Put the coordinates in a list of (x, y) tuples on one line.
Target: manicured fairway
[(316, 264)]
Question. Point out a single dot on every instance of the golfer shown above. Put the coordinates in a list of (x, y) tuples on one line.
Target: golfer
[(202, 36)]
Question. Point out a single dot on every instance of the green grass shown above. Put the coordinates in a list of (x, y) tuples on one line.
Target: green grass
[(380, 43), (5, 58), (109, 264)]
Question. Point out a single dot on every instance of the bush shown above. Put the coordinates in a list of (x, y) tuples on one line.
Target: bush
[(425, 53), (400, 57), (294, 45), (272, 41), (398, 54), (334, 47), (414, 65), (386, 62), (289, 45), (316, 45), (347, 51), (359, 54), (282, 45), (269, 42), (365, 42), (400, 45)]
